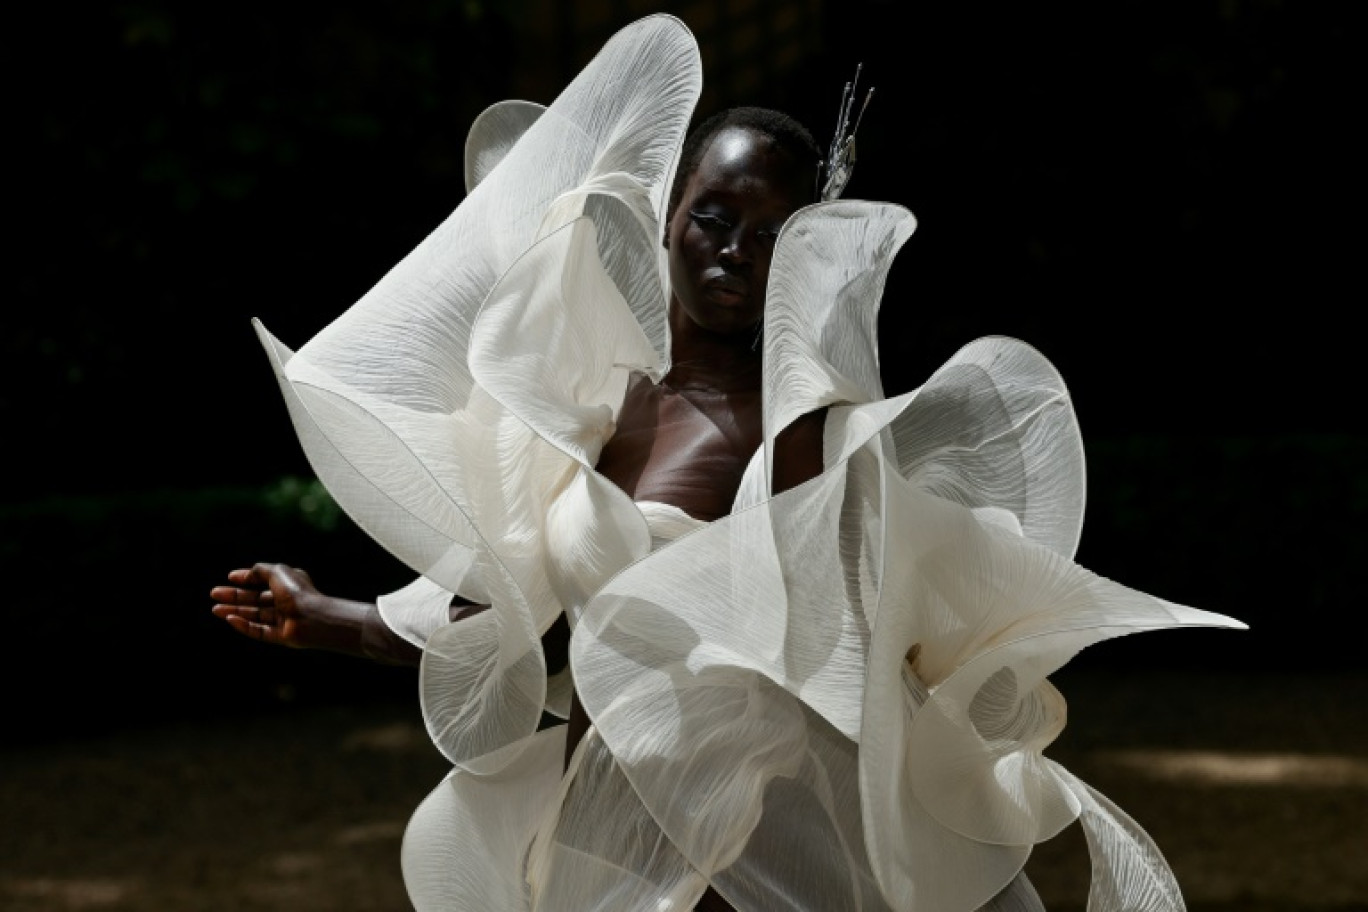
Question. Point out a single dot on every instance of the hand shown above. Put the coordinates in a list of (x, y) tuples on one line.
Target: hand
[(274, 603)]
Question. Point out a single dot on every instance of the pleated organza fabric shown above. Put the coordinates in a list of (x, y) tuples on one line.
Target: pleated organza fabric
[(835, 698)]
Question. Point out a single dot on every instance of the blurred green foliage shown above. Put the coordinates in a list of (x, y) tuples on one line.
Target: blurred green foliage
[(305, 498)]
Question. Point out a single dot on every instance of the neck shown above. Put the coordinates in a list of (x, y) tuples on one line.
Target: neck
[(727, 362)]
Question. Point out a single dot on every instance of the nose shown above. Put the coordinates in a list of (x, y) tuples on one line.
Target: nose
[(738, 249)]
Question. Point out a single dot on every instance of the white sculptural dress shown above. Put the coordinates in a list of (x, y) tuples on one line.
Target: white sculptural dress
[(835, 698)]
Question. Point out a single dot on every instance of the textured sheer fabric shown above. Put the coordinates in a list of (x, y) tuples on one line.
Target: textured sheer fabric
[(833, 698)]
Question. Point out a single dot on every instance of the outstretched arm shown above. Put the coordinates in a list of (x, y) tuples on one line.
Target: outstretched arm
[(279, 604)]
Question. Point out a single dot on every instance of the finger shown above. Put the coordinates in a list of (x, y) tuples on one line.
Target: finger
[(249, 576), (256, 631), (243, 612), (231, 595)]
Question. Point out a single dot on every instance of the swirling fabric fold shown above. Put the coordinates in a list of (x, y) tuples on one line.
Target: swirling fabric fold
[(427, 407), (839, 696)]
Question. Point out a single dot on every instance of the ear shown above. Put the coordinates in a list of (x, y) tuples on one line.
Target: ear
[(665, 239)]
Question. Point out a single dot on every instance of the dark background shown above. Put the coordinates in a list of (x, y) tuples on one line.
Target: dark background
[(1162, 198)]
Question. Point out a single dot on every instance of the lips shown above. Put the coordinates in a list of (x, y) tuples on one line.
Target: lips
[(728, 291)]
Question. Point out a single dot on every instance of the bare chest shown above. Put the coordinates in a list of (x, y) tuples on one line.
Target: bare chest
[(688, 448)]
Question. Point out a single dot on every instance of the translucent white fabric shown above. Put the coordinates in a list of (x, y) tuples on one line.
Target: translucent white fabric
[(834, 698)]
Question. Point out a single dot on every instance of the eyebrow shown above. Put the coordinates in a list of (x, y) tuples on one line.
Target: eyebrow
[(706, 193)]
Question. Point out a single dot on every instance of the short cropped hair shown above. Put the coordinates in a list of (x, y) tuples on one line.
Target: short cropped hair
[(788, 133)]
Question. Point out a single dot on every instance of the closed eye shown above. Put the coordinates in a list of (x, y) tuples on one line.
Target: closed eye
[(707, 220)]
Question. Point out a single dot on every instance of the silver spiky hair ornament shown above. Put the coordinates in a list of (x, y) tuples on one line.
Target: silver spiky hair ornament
[(840, 161)]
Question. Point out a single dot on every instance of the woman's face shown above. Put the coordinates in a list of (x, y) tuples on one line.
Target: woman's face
[(721, 236)]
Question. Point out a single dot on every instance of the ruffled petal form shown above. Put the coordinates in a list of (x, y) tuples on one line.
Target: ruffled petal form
[(975, 762), (1019, 452), (425, 407), (838, 698), (496, 130), (699, 670), (464, 845), (1129, 874), (601, 851), (957, 705), (821, 308), (408, 423), (455, 412)]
